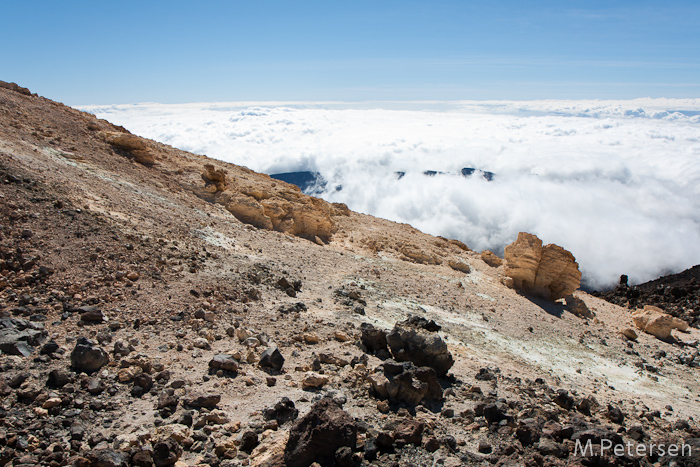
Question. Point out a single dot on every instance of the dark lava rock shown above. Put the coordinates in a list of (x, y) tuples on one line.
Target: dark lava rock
[(528, 432), (404, 382), (248, 440), (17, 380), (424, 348), (343, 457), (486, 374), (290, 288), (208, 401), (144, 380), (271, 358), (87, 356), (549, 447), (564, 400), (108, 458), (596, 435), (95, 386), (294, 308), (91, 314), (59, 378), (586, 404), (372, 338), (677, 294), (420, 322), (283, 411), (19, 336), (166, 452), (688, 454), (318, 435), (49, 348), (224, 362), (494, 413), (614, 414)]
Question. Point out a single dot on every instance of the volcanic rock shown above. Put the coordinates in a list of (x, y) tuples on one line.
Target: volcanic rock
[(283, 411), (208, 401), (549, 272), (319, 434), (372, 338), (409, 342), (405, 382), (87, 356), (19, 336), (166, 452), (271, 358), (224, 362)]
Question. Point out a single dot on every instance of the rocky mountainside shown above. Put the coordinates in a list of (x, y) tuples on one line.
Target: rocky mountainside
[(161, 308)]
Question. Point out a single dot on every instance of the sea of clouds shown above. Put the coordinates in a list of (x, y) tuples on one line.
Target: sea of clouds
[(615, 182)]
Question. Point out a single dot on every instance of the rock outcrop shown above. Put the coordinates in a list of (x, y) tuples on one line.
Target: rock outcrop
[(215, 177), (132, 144), (549, 272), (284, 209), (653, 320)]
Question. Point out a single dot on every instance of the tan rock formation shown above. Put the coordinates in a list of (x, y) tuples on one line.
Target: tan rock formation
[(653, 320), (132, 144), (459, 266), (215, 177), (491, 259), (284, 209), (550, 272)]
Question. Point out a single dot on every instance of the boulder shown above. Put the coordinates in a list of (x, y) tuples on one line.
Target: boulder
[(548, 272), (271, 358), (653, 320), (319, 434), (224, 362), (409, 341), (87, 356)]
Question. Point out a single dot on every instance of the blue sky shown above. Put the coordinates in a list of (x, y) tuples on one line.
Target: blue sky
[(95, 52)]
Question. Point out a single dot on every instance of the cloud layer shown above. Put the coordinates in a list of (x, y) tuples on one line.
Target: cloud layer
[(615, 182)]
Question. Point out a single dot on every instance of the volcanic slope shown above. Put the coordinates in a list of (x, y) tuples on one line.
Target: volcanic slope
[(134, 245)]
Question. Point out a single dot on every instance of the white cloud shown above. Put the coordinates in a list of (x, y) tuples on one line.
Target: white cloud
[(615, 182)]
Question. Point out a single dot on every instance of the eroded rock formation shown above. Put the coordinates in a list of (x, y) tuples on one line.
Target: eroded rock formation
[(134, 145), (549, 272), (281, 208), (653, 320)]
